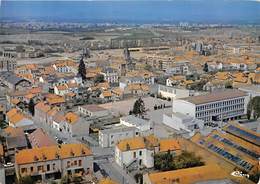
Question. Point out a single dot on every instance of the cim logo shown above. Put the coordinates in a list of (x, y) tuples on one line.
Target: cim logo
[(239, 174)]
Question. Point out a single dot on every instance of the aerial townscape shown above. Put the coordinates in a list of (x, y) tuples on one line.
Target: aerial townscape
[(128, 102)]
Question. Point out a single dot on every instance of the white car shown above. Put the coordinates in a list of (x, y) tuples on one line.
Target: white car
[(8, 164)]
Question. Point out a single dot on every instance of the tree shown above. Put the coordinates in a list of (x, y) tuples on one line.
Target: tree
[(206, 67), (168, 161), (99, 78), (31, 107), (65, 179), (82, 69), (139, 107), (228, 85), (26, 180), (253, 108)]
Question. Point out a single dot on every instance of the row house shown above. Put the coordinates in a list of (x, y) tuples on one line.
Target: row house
[(64, 66), (54, 162)]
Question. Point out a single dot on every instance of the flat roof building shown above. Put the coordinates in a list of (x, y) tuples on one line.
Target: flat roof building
[(216, 106)]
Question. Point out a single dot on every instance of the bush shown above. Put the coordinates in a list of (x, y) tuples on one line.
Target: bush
[(167, 161)]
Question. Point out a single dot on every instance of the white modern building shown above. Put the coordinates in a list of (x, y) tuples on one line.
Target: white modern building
[(93, 111), (143, 126), (216, 106), (180, 121), (173, 92), (110, 137)]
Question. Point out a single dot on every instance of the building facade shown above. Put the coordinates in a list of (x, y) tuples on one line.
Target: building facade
[(110, 137), (54, 162), (216, 106)]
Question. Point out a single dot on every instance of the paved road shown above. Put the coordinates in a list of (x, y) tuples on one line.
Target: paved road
[(115, 172)]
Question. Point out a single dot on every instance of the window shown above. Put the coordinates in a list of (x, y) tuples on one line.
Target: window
[(134, 154), (23, 170), (80, 162), (39, 168), (31, 169), (140, 153), (140, 162), (53, 166), (48, 167), (75, 162), (68, 163)]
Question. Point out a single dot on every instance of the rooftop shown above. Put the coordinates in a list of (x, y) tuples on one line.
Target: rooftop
[(28, 156), (215, 96), (188, 176), (169, 144), (244, 133), (93, 108), (39, 139), (134, 120)]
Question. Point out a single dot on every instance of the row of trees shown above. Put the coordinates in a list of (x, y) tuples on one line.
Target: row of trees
[(167, 161)]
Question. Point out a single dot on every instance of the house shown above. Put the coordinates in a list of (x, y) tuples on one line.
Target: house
[(64, 66), (55, 100), (111, 136), (179, 68), (20, 120), (216, 106), (58, 121), (137, 150), (75, 125), (14, 140), (10, 113), (110, 75), (61, 89), (124, 82), (40, 112), (14, 82), (64, 89), (140, 76), (137, 89), (15, 118), (144, 126), (39, 139), (54, 162), (107, 95), (117, 93), (93, 111)]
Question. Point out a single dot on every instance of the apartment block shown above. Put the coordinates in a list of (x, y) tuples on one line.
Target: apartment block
[(216, 106)]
